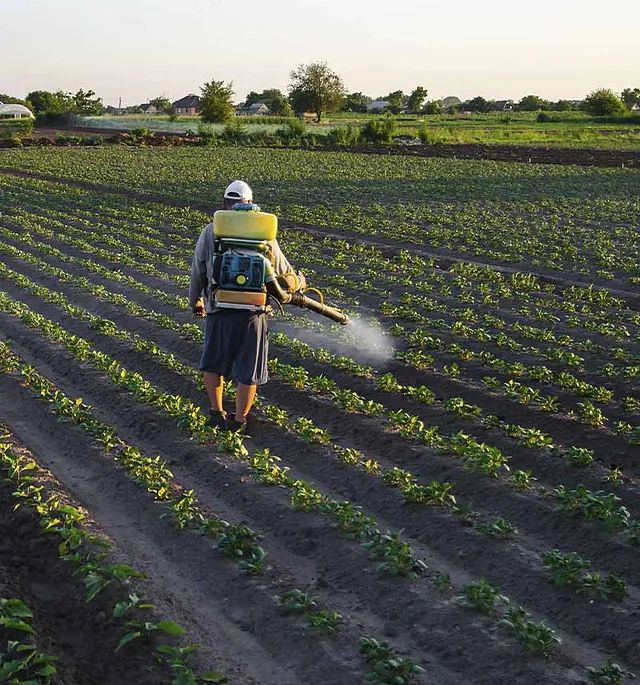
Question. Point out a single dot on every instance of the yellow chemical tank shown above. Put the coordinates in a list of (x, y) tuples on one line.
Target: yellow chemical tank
[(229, 223)]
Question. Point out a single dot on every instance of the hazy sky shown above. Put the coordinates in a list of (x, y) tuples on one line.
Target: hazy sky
[(138, 49)]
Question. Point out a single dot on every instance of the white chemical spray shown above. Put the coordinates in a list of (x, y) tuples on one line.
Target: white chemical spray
[(362, 339)]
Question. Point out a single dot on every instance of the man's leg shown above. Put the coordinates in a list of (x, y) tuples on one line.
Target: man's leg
[(245, 396), (214, 384)]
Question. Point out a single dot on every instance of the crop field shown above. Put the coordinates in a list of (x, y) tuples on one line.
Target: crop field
[(445, 492), (565, 130)]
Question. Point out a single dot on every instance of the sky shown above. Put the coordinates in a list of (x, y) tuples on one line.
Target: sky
[(140, 49)]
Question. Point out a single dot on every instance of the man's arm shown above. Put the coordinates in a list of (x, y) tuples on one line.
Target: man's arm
[(282, 266), (280, 262), (198, 269)]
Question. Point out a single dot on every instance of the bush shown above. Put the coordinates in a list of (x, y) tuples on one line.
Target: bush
[(264, 138), (11, 140), (235, 133), (64, 141), (341, 135), (379, 131), (142, 132), (19, 126), (603, 103), (207, 135), (293, 133)]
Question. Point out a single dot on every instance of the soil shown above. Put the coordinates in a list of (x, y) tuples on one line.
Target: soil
[(234, 616)]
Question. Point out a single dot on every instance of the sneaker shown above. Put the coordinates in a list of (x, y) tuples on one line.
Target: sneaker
[(235, 426), (217, 419)]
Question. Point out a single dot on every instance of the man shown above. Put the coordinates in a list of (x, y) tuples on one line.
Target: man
[(235, 340)]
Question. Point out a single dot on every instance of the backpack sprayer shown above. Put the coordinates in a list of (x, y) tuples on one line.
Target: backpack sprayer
[(242, 268)]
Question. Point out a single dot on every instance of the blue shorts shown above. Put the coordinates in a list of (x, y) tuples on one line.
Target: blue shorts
[(236, 346)]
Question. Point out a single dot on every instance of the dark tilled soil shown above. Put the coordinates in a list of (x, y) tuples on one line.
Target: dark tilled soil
[(513, 153)]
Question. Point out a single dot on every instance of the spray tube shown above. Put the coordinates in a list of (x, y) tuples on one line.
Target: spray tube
[(299, 299)]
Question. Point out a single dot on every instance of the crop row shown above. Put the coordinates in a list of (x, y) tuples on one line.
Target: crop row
[(500, 211)]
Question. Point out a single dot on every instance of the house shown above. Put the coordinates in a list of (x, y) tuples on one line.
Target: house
[(635, 107), (256, 109), (188, 105), (502, 106), (450, 103), (379, 105), (148, 108)]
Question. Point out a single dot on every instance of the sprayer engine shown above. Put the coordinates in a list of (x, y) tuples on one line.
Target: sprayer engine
[(241, 272)]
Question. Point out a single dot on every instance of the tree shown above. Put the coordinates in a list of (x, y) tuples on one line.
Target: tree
[(43, 102), (602, 103), (356, 102), (215, 102), (531, 103), (85, 103), (433, 107), (9, 100), (162, 104), (563, 106), (416, 99), (273, 98), (317, 88), (630, 97), (49, 104), (477, 104), (397, 100)]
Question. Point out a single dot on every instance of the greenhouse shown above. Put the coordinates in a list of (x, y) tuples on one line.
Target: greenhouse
[(15, 111)]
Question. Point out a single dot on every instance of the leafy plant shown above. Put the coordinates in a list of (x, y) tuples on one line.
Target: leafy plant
[(537, 638), (386, 667)]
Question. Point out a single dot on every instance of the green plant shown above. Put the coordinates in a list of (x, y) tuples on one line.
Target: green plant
[(483, 596), (537, 638), (522, 480), (609, 673), (579, 456), (499, 528), (386, 667), (396, 556)]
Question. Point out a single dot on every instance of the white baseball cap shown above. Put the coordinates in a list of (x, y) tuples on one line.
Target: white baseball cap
[(239, 191)]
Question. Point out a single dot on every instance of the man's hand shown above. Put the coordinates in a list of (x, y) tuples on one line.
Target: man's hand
[(302, 281), (293, 282), (198, 308)]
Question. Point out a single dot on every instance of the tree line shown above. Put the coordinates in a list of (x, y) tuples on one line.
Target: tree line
[(318, 89)]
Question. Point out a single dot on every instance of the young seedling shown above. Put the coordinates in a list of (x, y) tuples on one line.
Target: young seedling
[(579, 456), (240, 543), (571, 570), (442, 581), (396, 555), (537, 638), (483, 596), (522, 480), (607, 674), (297, 600), (386, 667), (325, 621), (499, 529), (466, 514)]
